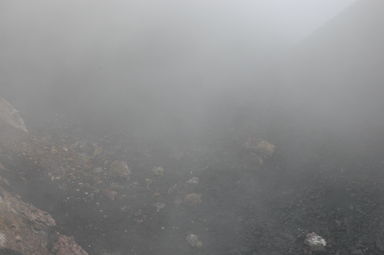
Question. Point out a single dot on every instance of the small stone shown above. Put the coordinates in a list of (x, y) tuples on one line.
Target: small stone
[(3, 239), (120, 168), (194, 180), (315, 242), (265, 148), (111, 194), (194, 241), (159, 206), (18, 238), (193, 199), (158, 171)]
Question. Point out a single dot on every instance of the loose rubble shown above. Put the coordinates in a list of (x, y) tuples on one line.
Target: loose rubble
[(158, 171), (194, 180), (113, 201), (194, 241), (315, 242), (120, 168), (193, 199), (265, 148)]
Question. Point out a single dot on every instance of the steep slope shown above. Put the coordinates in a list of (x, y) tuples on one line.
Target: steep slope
[(24, 229), (334, 78)]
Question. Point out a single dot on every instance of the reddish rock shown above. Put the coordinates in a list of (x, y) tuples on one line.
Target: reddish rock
[(28, 230), (66, 245)]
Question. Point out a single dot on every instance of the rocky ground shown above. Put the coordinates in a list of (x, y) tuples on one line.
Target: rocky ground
[(24, 229), (242, 197)]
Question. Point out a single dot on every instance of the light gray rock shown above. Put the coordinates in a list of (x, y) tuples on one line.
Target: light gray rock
[(10, 116)]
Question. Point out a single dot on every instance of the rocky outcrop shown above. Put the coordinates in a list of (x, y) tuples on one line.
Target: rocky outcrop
[(10, 116), (24, 229), (28, 230), (12, 127)]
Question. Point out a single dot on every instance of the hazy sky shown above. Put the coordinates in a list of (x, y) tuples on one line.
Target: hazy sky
[(264, 21), (108, 43), (294, 19), (286, 20)]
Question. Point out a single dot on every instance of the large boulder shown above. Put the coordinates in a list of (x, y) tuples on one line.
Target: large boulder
[(9, 116), (12, 127), (27, 230)]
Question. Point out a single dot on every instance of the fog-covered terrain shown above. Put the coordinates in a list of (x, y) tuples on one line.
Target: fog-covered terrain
[(191, 127), (164, 65)]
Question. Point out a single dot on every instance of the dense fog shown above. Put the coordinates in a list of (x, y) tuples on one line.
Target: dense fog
[(196, 127), (157, 65)]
